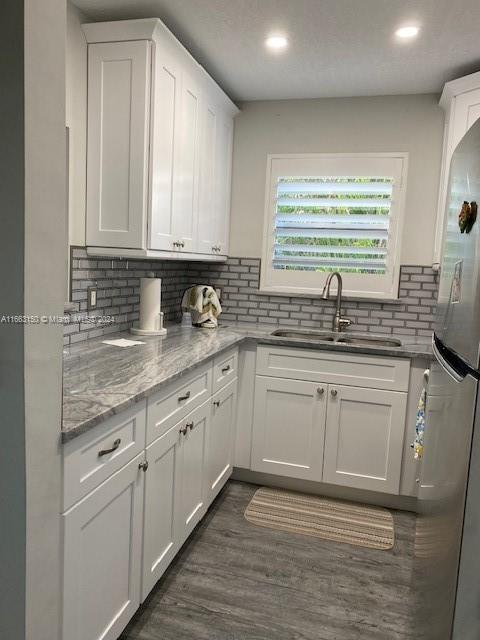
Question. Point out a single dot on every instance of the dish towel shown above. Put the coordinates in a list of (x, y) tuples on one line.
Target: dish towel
[(203, 304), (420, 426)]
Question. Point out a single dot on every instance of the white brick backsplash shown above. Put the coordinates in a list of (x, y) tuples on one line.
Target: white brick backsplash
[(412, 314), (238, 278)]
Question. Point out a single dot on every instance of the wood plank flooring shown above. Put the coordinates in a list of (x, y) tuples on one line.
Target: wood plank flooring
[(236, 581)]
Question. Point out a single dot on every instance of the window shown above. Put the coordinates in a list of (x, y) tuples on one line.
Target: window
[(336, 212)]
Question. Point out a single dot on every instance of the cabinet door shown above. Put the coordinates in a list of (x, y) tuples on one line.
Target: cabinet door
[(165, 148), (117, 149), (364, 438), (289, 427), (160, 537), (207, 230), (102, 557), (220, 439), (223, 183), (192, 485), (185, 202)]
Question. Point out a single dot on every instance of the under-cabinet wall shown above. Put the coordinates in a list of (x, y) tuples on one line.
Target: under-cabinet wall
[(118, 283)]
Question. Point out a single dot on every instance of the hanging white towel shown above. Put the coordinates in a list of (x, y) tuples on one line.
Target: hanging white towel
[(203, 304)]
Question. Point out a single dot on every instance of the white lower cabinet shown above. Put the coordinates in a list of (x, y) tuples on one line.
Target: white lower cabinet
[(103, 547), (161, 522), (192, 500), (219, 460), (344, 435), (364, 438), (289, 427)]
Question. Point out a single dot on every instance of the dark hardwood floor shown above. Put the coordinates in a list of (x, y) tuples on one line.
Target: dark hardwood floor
[(237, 581)]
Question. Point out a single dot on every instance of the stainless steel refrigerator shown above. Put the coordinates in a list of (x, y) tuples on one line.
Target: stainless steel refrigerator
[(447, 542)]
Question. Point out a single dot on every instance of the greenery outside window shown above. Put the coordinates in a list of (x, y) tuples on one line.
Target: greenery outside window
[(334, 212)]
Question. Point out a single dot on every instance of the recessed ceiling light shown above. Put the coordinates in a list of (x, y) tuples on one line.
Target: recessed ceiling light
[(276, 42), (407, 32)]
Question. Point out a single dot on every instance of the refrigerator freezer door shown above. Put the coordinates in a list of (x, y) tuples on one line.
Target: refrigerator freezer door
[(467, 609), (450, 407), (458, 313)]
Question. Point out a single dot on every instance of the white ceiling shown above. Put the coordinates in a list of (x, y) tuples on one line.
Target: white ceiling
[(337, 47)]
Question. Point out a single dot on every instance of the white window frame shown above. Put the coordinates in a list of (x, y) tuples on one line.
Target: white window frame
[(310, 283)]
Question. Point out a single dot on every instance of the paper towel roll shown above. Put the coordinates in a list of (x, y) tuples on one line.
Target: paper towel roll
[(150, 304)]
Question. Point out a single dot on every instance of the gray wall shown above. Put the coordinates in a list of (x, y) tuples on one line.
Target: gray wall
[(32, 258), (45, 293), (12, 451), (341, 125)]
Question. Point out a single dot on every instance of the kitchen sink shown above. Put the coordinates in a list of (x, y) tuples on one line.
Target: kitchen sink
[(306, 335), (340, 338), (373, 341)]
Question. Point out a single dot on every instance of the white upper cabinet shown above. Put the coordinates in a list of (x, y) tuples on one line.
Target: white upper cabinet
[(461, 102), (118, 110), (159, 147), (185, 203), (164, 147), (223, 181), (215, 181)]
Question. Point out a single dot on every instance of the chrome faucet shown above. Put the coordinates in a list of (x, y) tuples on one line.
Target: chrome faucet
[(339, 323)]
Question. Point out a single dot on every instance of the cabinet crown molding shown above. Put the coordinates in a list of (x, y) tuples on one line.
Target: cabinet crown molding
[(458, 86)]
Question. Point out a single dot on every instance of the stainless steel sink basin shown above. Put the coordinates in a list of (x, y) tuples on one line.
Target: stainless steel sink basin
[(373, 341), (340, 338), (306, 335)]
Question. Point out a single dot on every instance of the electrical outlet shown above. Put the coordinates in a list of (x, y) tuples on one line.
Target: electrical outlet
[(91, 298)]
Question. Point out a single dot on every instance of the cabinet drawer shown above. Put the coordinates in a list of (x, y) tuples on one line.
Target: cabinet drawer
[(94, 456), (355, 370), (173, 403), (225, 369)]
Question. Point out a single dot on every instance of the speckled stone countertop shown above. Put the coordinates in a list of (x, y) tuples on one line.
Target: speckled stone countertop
[(101, 380)]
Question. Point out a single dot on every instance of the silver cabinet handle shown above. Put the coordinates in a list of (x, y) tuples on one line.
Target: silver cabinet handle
[(320, 391), (143, 466), (185, 397), (334, 392), (105, 452), (225, 369), (189, 425), (181, 244), (216, 403), (183, 430)]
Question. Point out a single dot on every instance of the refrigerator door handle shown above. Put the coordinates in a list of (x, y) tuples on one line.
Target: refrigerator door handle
[(445, 366), (452, 363)]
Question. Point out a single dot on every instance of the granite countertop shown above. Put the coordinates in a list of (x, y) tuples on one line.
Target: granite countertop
[(101, 380)]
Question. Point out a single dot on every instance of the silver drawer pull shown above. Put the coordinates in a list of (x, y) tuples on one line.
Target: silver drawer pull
[(143, 466), (216, 403), (320, 391), (225, 369), (189, 425), (183, 430), (105, 452), (334, 392), (185, 397)]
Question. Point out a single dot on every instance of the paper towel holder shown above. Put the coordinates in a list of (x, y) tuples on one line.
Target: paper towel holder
[(161, 331), (152, 319)]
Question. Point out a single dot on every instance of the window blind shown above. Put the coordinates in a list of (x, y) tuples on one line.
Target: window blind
[(330, 223)]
